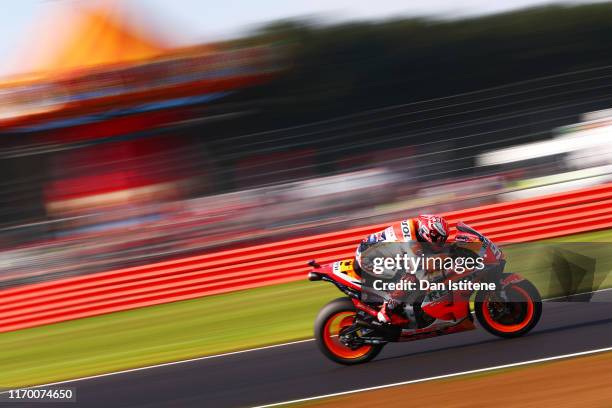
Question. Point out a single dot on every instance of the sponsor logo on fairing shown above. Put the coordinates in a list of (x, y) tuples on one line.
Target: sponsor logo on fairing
[(406, 231)]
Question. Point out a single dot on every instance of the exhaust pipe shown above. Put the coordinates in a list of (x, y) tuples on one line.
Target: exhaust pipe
[(313, 276)]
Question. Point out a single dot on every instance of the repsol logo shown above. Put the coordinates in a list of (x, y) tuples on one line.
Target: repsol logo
[(406, 230)]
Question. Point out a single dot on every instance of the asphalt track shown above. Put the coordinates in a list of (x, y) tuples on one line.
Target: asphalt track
[(300, 371)]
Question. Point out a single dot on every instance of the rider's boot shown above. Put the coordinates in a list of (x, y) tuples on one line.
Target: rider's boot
[(384, 315), (388, 312), (413, 315)]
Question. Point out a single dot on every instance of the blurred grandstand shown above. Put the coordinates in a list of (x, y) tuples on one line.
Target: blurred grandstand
[(136, 155)]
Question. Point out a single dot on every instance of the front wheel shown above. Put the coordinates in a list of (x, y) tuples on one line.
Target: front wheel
[(513, 316), (332, 320)]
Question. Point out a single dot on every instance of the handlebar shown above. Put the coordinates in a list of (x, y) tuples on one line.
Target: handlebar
[(463, 227)]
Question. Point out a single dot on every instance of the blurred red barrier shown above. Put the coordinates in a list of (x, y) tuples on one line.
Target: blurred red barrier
[(278, 262)]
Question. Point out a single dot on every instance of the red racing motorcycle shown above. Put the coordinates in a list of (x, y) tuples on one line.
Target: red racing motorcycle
[(348, 332)]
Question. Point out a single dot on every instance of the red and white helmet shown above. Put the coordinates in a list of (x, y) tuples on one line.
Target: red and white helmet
[(432, 229)]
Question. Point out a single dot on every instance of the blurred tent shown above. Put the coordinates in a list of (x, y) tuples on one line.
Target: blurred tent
[(97, 37), (88, 56)]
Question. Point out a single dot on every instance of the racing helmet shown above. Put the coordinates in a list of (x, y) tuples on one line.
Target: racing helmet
[(432, 229)]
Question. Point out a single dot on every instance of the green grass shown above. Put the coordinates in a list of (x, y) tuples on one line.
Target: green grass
[(168, 332), (174, 331)]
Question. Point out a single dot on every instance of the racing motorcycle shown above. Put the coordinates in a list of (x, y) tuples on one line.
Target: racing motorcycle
[(347, 330)]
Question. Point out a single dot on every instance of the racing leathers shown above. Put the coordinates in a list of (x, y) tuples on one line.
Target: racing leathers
[(424, 228)]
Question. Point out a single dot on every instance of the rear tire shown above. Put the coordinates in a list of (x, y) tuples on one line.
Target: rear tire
[(523, 313), (334, 316)]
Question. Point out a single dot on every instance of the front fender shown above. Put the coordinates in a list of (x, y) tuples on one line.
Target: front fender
[(510, 279)]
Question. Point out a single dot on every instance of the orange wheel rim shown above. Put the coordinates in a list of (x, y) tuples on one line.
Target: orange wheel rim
[(517, 326), (331, 330)]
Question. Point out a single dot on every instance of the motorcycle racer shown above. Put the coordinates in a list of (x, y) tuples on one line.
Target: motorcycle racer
[(431, 229)]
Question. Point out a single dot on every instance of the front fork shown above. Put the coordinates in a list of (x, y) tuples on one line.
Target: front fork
[(503, 281)]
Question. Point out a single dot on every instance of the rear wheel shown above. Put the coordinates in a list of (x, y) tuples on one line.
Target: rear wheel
[(512, 317), (334, 319)]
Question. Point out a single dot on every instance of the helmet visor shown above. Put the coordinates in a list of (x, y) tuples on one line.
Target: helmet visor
[(438, 233)]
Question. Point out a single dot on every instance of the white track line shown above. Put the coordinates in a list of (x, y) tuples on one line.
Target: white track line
[(131, 370), (438, 377), (577, 294)]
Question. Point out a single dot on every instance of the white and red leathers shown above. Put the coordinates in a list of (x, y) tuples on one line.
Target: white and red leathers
[(424, 228)]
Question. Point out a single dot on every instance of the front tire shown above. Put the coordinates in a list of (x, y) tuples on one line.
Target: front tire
[(513, 318), (333, 317)]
